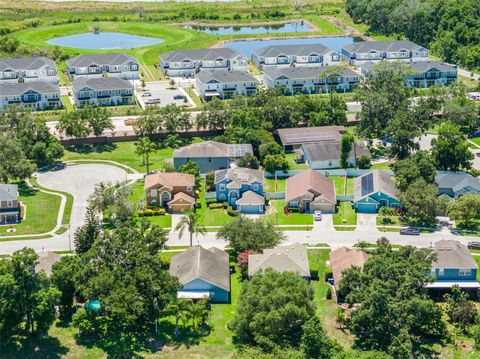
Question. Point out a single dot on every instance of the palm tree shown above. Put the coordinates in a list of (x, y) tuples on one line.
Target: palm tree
[(179, 308), (190, 222), (197, 313), (144, 147)]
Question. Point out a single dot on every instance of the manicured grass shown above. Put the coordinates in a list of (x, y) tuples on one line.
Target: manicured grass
[(381, 166), (196, 99), (344, 228), (67, 212), (211, 217), (339, 182), (350, 185), (277, 216), (476, 140), (269, 184), (477, 259), (67, 104), (345, 215), (292, 165), (122, 152), (389, 221), (468, 82)]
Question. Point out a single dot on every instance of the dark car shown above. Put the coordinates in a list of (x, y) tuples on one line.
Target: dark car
[(179, 97), (474, 134), (410, 231), (473, 245), (57, 167)]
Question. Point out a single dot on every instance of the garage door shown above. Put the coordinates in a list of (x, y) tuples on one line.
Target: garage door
[(325, 207), (366, 208), (249, 209)]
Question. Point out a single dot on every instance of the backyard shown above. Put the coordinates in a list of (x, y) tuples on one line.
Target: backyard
[(345, 218)]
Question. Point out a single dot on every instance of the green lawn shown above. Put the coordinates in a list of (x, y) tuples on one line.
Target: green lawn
[(350, 184), (122, 152), (276, 214), (381, 166), (292, 165), (67, 104), (269, 184), (345, 215), (389, 221), (67, 213), (211, 217), (41, 212)]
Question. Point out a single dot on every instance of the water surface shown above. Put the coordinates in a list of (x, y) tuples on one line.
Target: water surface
[(296, 26), (104, 41)]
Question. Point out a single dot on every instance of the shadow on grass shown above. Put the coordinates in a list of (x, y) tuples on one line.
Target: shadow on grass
[(26, 191), (92, 148), (34, 347)]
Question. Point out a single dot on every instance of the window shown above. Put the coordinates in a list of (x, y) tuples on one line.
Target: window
[(255, 186), (441, 271), (153, 193), (209, 159), (221, 187), (10, 204), (464, 272), (189, 189)]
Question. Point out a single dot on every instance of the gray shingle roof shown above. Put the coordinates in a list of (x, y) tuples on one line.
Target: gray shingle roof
[(419, 66), (212, 149), (292, 258), (457, 181), (19, 88), (306, 72), (301, 135), (45, 262), (453, 254), (25, 63), (291, 50), (101, 83), (8, 192), (225, 76), (388, 46), (241, 175), (100, 60), (330, 151), (250, 198), (380, 181), (201, 54), (196, 262)]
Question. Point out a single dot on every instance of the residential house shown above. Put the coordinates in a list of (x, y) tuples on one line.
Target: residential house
[(455, 184), (310, 80), (374, 190), (311, 191), (374, 51), (28, 69), (190, 62), (294, 55), (343, 258), (9, 204), (103, 91), (454, 265), (100, 65), (36, 96), (225, 84), (204, 274), (242, 188), (324, 155), (291, 258), (45, 262), (293, 138), (210, 155), (424, 73), (171, 190)]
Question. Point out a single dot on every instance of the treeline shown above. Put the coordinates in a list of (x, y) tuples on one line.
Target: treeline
[(450, 28)]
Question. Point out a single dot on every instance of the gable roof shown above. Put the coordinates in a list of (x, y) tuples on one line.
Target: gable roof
[(8, 192), (331, 151), (301, 135), (291, 50), (225, 76), (19, 88), (101, 83), (212, 149), (25, 63), (201, 54), (182, 197), (301, 72), (250, 198), (196, 262), (292, 258), (418, 66), (111, 59), (380, 46), (45, 261), (457, 181), (453, 254), (239, 175), (169, 180), (372, 182), (343, 258), (310, 182)]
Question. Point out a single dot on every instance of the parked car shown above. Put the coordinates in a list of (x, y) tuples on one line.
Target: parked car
[(473, 245), (57, 167), (474, 134), (179, 97), (146, 94), (410, 231), (153, 101), (317, 215)]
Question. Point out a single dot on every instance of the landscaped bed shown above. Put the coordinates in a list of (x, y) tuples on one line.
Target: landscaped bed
[(276, 215)]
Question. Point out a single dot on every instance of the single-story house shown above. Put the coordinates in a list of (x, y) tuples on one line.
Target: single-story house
[(374, 190), (343, 258), (455, 184), (292, 138), (324, 155), (45, 262), (204, 274), (292, 258), (242, 188), (311, 191), (454, 266), (210, 155), (9, 204), (175, 191)]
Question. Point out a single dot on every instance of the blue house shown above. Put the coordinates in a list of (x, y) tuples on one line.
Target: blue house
[(374, 190), (210, 155), (455, 184), (204, 274), (242, 188), (454, 266)]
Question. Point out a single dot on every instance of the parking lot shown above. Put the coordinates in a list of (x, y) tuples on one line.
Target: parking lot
[(161, 94)]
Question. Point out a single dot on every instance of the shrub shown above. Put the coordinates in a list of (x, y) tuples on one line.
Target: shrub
[(225, 205), (210, 200), (314, 274), (387, 211), (198, 205), (294, 210), (215, 205), (327, 275), (328, 296), (364, 162), (231, 212), (165, 262)]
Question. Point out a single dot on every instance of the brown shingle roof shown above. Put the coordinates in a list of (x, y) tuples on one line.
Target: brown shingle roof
[(453, 254), (45, 262), (310, 181), (292, 258), (169, 180), (344, 258), (182, 196), (302, 135)]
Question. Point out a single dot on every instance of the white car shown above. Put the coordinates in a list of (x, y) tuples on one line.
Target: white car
[(317, 215)]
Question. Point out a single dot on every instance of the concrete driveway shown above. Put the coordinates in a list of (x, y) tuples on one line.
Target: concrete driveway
[(326, 224), (366, 222)]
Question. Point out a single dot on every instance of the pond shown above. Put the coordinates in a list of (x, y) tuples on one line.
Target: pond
[(104, 41), (335, 43), (296, 26)]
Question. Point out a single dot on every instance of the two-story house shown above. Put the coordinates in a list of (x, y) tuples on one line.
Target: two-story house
[(225, 84), (374, 51), (310, 80), (9, 204), (103, 91), (174, 191), (97, 65), (295, 55), (28, 69), (36, 96), (242, 188), (189, 62)]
